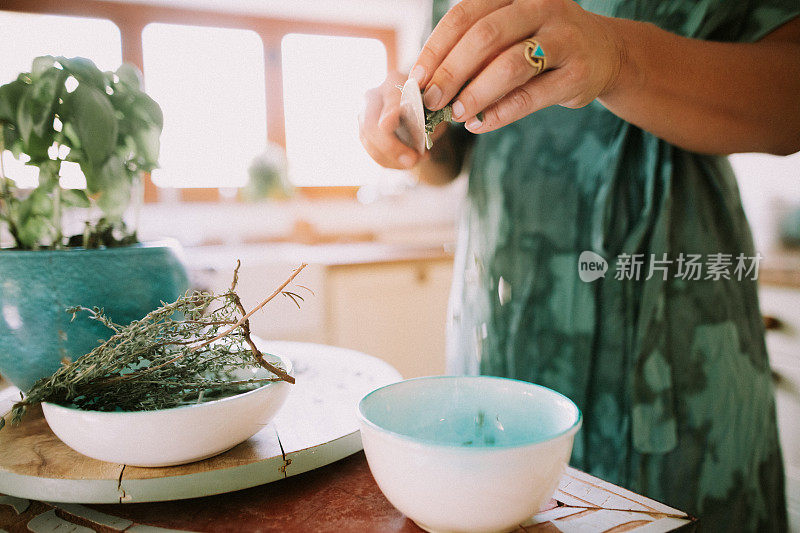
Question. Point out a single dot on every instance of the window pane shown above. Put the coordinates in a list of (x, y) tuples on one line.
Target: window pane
[(26, 36), (324, 80), (210, 84)]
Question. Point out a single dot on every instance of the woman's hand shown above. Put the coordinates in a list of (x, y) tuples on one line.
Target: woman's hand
[(377, 122), (482, 41)]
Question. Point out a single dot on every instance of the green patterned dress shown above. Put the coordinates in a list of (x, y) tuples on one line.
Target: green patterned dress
[(671, 374)]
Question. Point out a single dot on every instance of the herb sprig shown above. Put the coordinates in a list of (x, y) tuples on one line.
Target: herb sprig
[(164, 360), (433, 119)]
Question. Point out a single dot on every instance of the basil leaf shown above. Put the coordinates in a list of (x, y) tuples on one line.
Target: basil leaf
[(10, 95), (130, 76), (84, 70), (95, 123)]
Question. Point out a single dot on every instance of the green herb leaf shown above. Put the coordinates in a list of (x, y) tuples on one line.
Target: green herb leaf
[(111, 187), (148, 143), (10, 95), (34, 229), (95, 123), (148, 110), (41, 64), (74, 198), (129, 76), (433, 119), (85, 71), (36, 107)]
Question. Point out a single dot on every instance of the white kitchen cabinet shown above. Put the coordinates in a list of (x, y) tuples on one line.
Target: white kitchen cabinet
[(783, 345), (395, 311)]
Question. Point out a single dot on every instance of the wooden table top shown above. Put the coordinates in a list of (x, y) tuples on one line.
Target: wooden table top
[(340, 497)]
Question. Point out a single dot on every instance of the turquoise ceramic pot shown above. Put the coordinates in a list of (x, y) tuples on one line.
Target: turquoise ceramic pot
[(37, 286)]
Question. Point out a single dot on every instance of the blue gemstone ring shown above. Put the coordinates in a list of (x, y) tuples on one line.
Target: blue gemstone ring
[(534, 55)]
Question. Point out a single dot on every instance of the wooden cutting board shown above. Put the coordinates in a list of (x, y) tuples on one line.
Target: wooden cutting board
[(315, 427)]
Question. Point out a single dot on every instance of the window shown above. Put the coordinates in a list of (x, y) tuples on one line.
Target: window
[(227, 81), (210, 84), (324, 80), (26, 36)]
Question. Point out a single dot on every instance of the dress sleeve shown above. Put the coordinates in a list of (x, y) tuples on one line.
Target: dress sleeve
[(764, 16)]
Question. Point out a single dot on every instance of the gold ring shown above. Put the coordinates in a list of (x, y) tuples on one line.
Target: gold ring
[(534, 55)]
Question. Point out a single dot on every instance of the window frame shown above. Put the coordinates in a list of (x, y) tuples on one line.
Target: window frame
[(131, 20)]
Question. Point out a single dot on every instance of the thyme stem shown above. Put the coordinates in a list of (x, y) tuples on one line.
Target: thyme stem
[(253, 310)]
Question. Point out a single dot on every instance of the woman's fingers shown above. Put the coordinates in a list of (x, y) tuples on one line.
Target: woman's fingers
[(389, 119), (506, 72), (377, 123), (549, 88), (453, 25), (379, 156), (582, 51), (371, 109), (386, 150), (482, 42)]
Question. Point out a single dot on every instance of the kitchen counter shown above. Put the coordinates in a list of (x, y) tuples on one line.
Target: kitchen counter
[(780, 267), (337, 254)]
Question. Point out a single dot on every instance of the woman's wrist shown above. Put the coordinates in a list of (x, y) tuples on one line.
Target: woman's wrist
[(625, 72)]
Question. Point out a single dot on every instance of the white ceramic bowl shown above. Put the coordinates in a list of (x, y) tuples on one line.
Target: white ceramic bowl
[(469, 453), (174, 436)]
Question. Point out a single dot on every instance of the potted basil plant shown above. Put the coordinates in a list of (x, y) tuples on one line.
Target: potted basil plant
[(66, 114)]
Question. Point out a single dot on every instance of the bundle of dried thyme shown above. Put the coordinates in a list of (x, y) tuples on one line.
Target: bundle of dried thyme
[(181, 353)]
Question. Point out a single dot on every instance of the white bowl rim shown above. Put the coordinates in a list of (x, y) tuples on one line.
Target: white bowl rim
[(286, 361), (428, 442)]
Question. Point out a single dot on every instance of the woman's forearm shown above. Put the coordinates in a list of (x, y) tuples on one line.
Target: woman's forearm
[(710, 97)]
